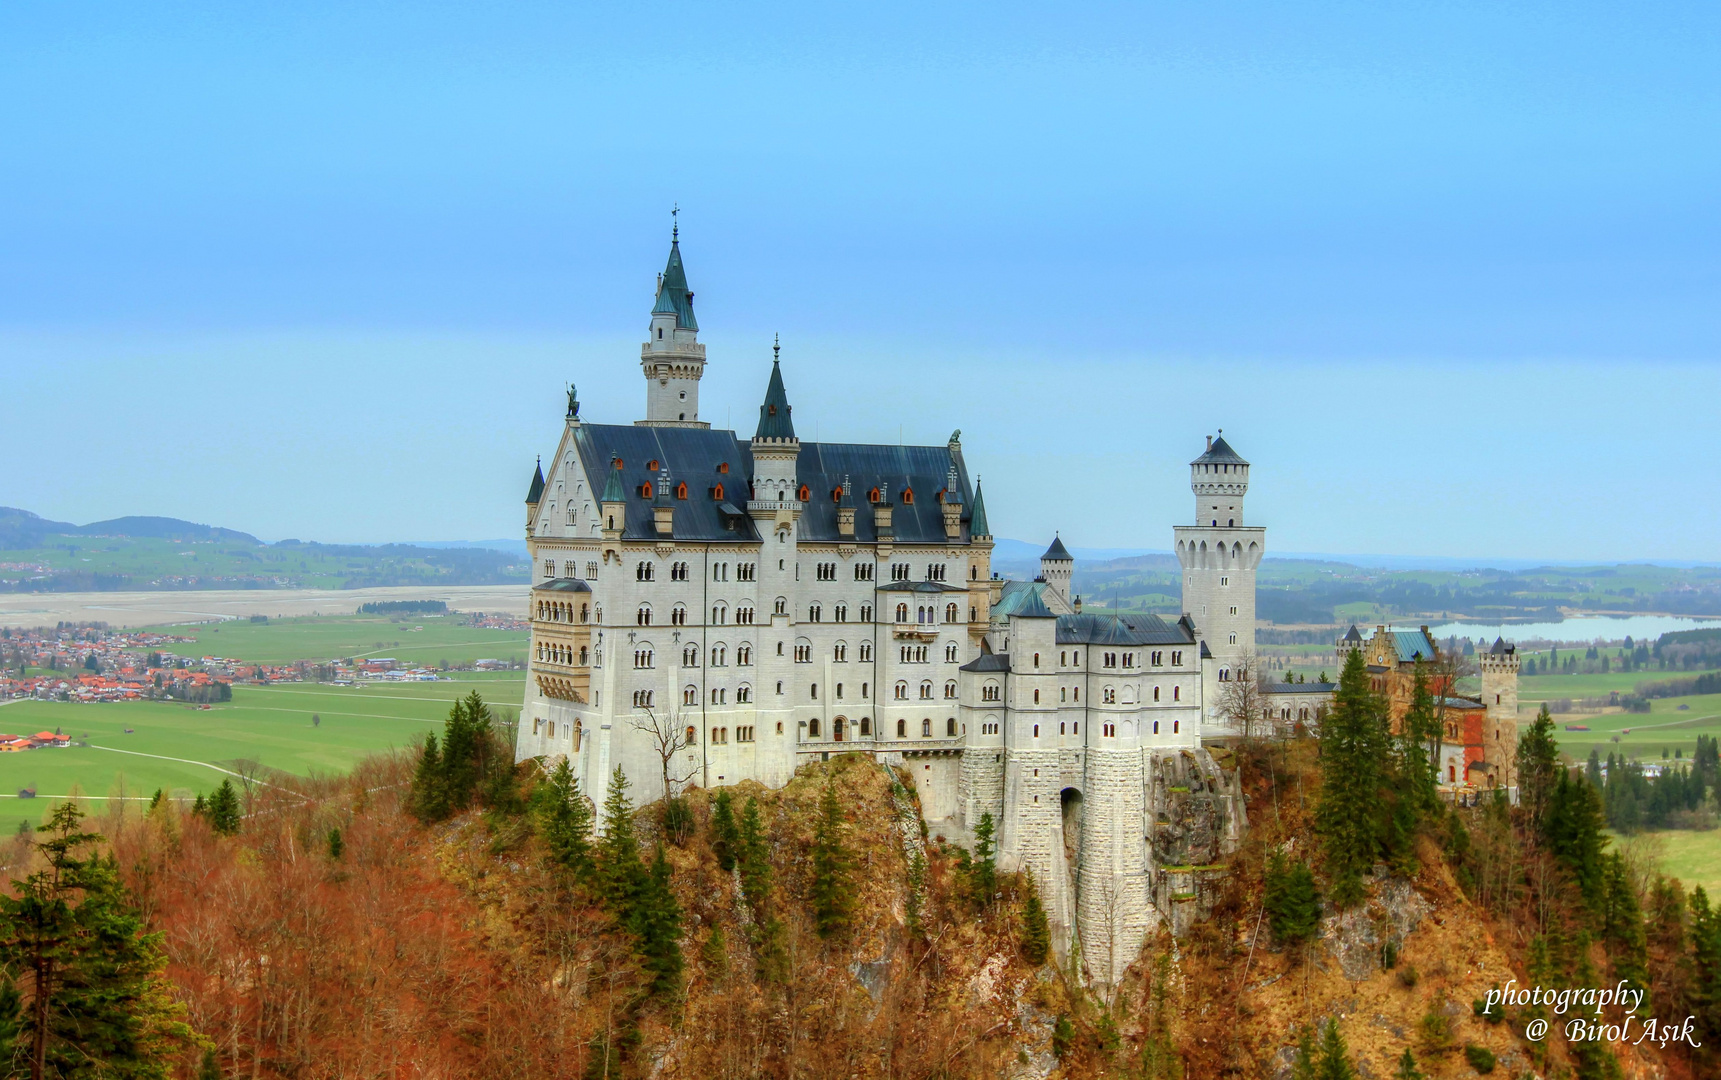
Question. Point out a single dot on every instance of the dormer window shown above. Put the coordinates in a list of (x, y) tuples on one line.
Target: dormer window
[(770, 410), (804, 493), (645, 490), (722, 466), (717, 492), (908, 495), (651, 465), (681, 490), (872, 496)]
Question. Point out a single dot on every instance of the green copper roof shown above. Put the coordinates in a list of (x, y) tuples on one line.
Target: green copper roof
[(977, 520), (673, 295), (613, 491), (774, 422), (537, 489)]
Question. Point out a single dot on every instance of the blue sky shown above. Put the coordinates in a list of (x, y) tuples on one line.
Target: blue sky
[(1446, 273)]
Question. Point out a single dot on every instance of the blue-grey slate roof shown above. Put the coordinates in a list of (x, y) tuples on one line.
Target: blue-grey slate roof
[(536, 490), (1057, 552), (1122, 630), (1299, 688), (692, 455), (1220, 453), (562, 584), (774, 415), (988, 662)]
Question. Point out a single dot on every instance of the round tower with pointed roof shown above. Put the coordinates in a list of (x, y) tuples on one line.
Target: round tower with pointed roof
[(1219, 556), (672, 358)]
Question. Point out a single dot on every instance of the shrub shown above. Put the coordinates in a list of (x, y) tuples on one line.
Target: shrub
[(1480, 1058), (1407, 976)]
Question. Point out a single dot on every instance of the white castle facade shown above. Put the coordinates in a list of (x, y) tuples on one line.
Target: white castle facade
[(723, 609)]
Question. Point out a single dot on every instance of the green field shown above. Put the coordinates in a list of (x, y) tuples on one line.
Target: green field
[(172, 746), (416, 640), (1665, 725)]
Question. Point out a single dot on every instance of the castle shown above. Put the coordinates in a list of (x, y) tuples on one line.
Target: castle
[(710, 609)]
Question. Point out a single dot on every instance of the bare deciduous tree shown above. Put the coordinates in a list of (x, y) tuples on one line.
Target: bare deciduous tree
[(668, 738), (1240, 697)]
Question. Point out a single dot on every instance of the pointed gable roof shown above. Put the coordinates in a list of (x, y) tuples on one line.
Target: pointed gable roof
[(536, 491), (1032, 607), (1352, 634), (673, 295), (1057, 552), (977, 525), (1219, 452), (774, 422)]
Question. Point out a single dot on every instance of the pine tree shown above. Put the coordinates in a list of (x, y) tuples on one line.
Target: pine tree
[(984, 868), (715, 954), (1308, 1056), (211, 1067), (1353, 744), (1407, 1069), (1574, 829), (337, 844), (223, 809), (725, 840), (565, 822), (1538, 764), (1292, 900), (1036, 933), (428, 799), (656, 926), (97, 989), (755, 860), (1622, 925), (833, 892), (1334, 1062), (620, 873), (1420, 752)]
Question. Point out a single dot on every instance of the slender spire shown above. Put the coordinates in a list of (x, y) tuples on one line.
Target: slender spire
[(774, 422), (536, 491), (977, 525), (613, 490), (673, 295)]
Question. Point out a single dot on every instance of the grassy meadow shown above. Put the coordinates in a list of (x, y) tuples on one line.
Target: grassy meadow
[(415, 640), (182, 749)]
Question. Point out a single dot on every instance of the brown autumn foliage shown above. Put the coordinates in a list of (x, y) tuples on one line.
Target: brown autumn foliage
[(452, 951)]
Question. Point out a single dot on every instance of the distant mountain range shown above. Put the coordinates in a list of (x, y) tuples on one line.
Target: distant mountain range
[(41, 555), (20, 529)]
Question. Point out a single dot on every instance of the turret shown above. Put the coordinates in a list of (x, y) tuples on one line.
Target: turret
[(672, 358), (776, 452), (614, 503), (1057, 566), (1220, 479), (534, 493)]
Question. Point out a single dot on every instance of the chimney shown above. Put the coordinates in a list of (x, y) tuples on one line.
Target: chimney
[(1209, 442)]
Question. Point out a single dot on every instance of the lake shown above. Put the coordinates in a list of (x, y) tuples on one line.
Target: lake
[(1582, 630)]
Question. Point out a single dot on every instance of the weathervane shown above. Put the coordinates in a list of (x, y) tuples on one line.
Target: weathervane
[(675, 217), (776, 347)]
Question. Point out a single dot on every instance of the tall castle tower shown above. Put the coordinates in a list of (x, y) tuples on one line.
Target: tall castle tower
[(1500, 698), (1219, 555), (672, 358)]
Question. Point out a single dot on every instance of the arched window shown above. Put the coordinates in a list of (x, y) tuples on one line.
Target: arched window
[(717, 492), (813, 728), (908, 496), (1177, 693), (902, 613), (902, 729), (690, 695), (950, 727), (804, 494), (681, 490), (902, 691), (926, 690), (692, 735), (678, 616), (950, 690), (644, 615), (1156, 693), (926, 728), (582, 656), (872, 496)]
